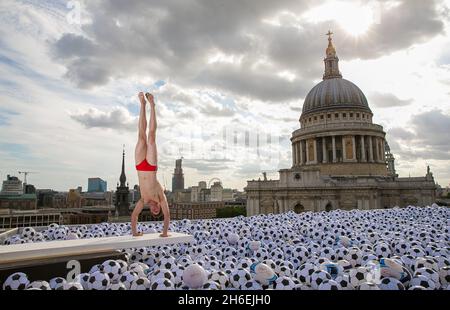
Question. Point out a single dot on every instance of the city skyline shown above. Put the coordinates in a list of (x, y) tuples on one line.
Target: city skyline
[(85, 186), (68, 92)]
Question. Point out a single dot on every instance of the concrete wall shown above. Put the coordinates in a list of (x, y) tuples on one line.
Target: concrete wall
[(317, 199)]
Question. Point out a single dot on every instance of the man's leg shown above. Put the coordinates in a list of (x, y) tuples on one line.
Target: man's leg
[(141, 147), (152, 154)]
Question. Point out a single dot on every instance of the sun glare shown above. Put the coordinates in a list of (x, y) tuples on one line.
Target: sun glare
[(287, 75), (219, 57), (354, 19)]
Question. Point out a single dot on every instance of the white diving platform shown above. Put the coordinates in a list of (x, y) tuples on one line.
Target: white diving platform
[(51, 249)]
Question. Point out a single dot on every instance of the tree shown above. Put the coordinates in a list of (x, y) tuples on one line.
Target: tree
[(231, 211)]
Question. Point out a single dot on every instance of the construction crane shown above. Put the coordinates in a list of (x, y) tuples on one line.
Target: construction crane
[(26, 173)]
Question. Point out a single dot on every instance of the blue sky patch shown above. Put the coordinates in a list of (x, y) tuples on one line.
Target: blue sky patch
[(134, 108), (5, 115), (159, 84), (19, 151)]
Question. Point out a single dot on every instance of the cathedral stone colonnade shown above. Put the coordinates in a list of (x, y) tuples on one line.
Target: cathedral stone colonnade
[(359, 148), (340, 158)]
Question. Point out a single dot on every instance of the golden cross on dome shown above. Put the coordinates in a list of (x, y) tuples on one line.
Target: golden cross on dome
[(329, 34)]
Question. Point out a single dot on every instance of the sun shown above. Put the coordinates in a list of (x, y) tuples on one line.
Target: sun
[(354, 19)]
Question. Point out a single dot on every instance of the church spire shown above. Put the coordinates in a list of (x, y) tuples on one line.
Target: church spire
[(331, 61), (122, 192), (123, 178)]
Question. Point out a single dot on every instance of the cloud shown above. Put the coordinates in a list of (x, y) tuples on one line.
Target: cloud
[(401, 133), (397, 28), (382, 100), (5, 116), (247, 68), (205, 166), (426, 137), (432, 129), (188, 103), (16, 151), (217, 110), (298, 109), (118, 118), (250, 170), (88, 72), (229, 46), (71, 45), (243, 80)]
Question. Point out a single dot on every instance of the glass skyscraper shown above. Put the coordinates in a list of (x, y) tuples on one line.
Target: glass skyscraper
[(96, 185)]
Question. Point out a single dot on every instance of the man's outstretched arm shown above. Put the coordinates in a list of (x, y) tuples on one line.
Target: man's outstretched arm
[(166, 212)]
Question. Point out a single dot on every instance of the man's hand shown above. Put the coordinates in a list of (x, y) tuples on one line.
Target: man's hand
[(141, 97)]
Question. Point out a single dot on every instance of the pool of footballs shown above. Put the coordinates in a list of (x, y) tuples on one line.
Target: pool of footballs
[(391, 249)]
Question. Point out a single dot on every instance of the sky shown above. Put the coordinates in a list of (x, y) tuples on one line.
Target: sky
[(229, 78)]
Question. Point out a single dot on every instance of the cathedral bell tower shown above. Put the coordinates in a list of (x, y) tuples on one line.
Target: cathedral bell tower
[(390, 161)]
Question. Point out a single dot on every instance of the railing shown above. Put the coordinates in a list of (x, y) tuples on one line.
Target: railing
[(254, 184), (337, 126)]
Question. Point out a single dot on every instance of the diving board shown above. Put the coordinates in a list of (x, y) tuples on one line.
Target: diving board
[(64, 248)]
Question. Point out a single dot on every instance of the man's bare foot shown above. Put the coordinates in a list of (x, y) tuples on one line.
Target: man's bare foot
[(164, 235), (150, 98), (141, 98), (138, 234)]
